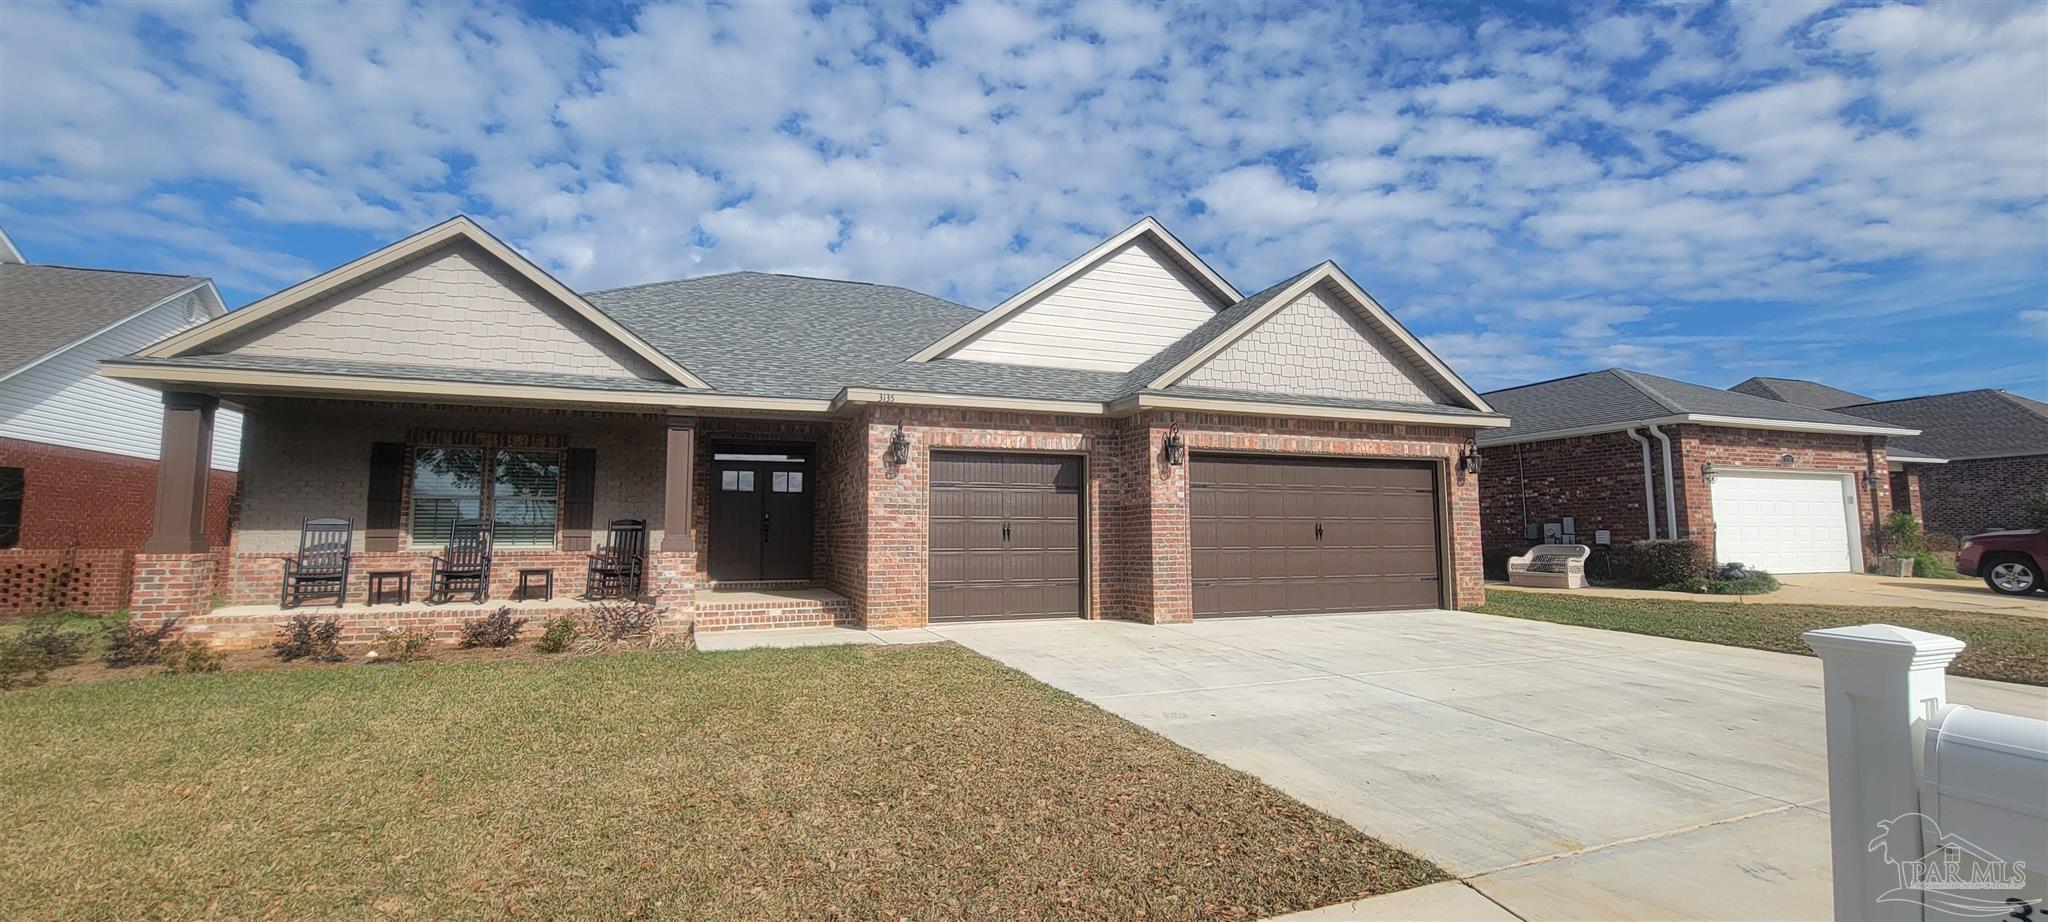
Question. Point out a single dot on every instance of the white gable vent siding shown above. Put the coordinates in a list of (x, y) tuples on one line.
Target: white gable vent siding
[(64, 401), (1111, 316), (453, 306), (1316, 347)]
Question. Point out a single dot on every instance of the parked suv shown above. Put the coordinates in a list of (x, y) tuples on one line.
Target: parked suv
[(2009, 561)]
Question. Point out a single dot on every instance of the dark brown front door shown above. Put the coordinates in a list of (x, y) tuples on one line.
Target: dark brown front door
[(1275, 536), (1006, 536), (760, 519)]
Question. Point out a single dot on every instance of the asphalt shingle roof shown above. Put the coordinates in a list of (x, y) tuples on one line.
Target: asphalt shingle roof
[(354, 369), (1967, 424), (45, 308), (819, 335), (1802, 392), (1618, 395)]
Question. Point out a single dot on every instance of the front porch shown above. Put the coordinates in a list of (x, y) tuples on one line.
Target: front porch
[(743, 517)]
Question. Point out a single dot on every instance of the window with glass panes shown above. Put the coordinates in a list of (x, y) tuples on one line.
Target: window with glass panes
[(518, 489)]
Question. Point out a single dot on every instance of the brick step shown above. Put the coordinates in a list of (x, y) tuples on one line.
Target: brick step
[(728, 610)]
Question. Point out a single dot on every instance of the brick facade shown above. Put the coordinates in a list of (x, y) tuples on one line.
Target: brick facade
[(1598, 480), (1963, 498), (74, 498), (871, 517)]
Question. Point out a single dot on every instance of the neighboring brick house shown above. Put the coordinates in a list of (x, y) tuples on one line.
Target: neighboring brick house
[(1978, 456), (1130, 437), (78, 452), (1630, 456)]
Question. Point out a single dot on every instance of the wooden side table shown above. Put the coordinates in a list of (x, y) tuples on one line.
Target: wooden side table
[(536, 580), (387, 583)]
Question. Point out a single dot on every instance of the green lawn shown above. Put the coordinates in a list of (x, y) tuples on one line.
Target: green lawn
[(839, 782), (2003, 647)]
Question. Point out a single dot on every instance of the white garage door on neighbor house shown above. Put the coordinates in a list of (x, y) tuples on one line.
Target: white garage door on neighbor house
[(1784, 523)]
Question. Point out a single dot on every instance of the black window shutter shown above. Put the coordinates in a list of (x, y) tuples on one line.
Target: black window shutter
[(579, 494), (387, 496), (12, 488)]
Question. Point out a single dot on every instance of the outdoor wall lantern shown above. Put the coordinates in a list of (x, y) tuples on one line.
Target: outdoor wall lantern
[(899, 447), (1176, 450), (1707, 471), (1470, 461)]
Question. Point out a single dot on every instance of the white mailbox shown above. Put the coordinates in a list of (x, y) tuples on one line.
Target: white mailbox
[(1986, 780)]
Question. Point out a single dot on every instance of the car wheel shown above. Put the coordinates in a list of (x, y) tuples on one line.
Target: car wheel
[(2012, 576)]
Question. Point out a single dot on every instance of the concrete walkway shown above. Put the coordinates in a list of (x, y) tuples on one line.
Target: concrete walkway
[(1560, 772), (1847, 589)]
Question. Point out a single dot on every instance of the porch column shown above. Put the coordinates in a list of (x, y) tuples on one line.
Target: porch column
[(675, 560), (182, 467), (677, 516)]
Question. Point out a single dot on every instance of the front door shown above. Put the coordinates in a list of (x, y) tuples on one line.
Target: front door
[(760, 517)]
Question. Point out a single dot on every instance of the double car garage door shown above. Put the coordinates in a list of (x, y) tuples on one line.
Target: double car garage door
[(1269, 536)]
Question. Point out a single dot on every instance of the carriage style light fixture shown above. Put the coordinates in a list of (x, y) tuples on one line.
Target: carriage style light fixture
[(1707, 471), (1176, 450), (899, 447), (1470, 461)]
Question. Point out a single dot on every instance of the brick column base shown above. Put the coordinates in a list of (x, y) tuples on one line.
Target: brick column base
[(674, 587), (171, 586)]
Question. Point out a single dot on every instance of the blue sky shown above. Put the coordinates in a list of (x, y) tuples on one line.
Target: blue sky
[(1855, 193)]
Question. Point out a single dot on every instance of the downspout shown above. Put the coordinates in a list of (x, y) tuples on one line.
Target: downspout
[(1670, 498), (1870, 482), (1649, 484)]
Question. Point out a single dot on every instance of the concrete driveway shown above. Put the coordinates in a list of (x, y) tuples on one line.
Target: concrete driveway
[(1562, 772), (1847, 589)]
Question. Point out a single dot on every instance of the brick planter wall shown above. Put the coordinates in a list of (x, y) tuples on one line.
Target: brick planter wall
[(94, 581), (1963, 498)]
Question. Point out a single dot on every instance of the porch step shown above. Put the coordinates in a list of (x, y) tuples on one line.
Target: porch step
[(725, 609)]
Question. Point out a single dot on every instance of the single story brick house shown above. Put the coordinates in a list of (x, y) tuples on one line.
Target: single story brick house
[(1979, 454), (1130, 437), (78, 452), (1618, 456)]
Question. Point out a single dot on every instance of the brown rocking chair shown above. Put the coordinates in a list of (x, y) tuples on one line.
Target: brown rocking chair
[(619, 569), (321, 569), (465, 566)]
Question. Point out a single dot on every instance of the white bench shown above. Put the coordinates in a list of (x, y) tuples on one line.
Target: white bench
[(1550, 566)]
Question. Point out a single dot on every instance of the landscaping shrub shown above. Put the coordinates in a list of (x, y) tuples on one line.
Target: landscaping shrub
[(498, 629), (188, 656), (27, 658), (308, 637), (1902, 534), (402, 645), (1927, 564), (2035, 514), (129, 645), (560, 634), (621, 623), (1751, 582), (1663, 563)]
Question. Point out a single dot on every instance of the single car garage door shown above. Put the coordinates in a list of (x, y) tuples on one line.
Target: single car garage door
[(1300, 536), (1784, 523), (1006, 536)]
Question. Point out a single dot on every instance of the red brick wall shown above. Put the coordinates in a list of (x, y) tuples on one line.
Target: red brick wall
[(1963, 498), (78, 498), (258, 579), (1137, 530), (1693, 446), (73, 579), (1595, 479), (841, 510)]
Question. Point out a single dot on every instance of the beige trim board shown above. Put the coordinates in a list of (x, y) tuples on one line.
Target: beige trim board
[(1220, 290), (855, 396), (1327, 273), (459, 227), (309, 382), (1142, 402)]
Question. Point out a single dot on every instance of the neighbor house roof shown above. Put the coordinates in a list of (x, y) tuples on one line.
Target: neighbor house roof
[(1985, 423), (1804, 393), (45, 309), (1617, 398)]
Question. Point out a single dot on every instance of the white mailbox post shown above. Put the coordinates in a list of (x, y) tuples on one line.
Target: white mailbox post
[(1882, 684), (1936, 811)]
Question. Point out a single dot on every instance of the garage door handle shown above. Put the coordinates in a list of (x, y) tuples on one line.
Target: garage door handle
[(1319, 531), (1006, 532)]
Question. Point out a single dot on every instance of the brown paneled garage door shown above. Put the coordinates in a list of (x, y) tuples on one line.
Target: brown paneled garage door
[(1275, 536), (1006, 536)]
